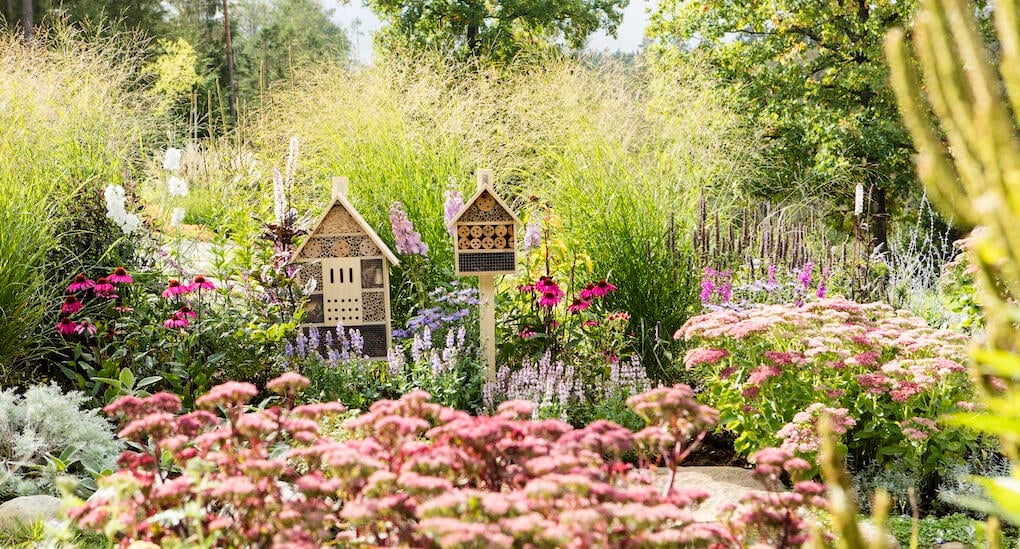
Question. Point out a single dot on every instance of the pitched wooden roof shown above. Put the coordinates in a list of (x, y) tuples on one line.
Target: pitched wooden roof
[(340, 200)]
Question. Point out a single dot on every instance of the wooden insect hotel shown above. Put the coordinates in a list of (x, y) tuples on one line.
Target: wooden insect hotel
[(350, 266), (485, 245), (485, 229)]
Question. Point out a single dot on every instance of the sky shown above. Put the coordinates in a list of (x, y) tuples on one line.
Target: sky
[(360, 23)]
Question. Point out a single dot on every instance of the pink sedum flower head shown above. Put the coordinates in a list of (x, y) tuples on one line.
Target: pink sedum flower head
[(79, 284), (704, 356), (120, 276), (287, 382), (71, 305), (200, 283), (175, 288), (408, 240)]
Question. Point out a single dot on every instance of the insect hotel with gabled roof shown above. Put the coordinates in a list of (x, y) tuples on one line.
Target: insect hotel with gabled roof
[(485, 229), (485, 245), (350, 266)]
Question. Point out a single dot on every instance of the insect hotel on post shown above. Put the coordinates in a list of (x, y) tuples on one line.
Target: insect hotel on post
[(485, 245), (350, 266)]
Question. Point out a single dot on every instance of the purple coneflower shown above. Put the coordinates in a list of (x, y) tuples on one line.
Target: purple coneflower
[(103, 288), (80, 283), (174, 288), (602, 288), (549, 299), (65, 326), (578, 305), (178, 320), (71, 305), (201, 283), (120, 276), (186, 312), (85, 327)]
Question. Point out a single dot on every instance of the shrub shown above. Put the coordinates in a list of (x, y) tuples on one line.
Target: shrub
[(882, 375), (44, 434), (414, 473)]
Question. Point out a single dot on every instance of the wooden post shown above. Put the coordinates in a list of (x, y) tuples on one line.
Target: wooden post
[(339, 187), (487, 302)]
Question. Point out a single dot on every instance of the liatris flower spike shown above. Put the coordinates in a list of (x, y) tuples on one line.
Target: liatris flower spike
[(120, 276), (408, 240), (80, 283), (175, 288)]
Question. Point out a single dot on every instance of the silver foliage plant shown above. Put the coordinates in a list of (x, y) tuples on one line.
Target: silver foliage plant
[(44, 434)]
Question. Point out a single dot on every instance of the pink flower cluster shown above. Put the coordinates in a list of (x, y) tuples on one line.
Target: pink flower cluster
[(408, 240), (801, 435), (82, 288), (410, 473)]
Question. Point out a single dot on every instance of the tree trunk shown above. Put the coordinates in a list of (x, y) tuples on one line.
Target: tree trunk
[(9, 15), (472, 38), (231, 89), (26, 18), (879, 220)]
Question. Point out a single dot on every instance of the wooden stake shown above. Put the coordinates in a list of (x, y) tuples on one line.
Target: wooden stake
[(487, 302)]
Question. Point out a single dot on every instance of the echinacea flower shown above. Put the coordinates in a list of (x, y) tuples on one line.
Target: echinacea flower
[(85, 327), (547, 284), (587, 292), (80, 283), (578, 305), (176, 321), (120, 276), (174, 288), (602, 288), (201, 283), (65, 326), (71, 305), (549, 299), (103, 288), (590, 323), (526, 333), (187, 312)]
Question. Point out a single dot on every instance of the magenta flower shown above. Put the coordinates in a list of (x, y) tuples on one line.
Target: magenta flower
[(200, 283), (805, 275), (120, 276), (772, 283), (71, 305), (85, 327), (602, 288), (526, 333), (578, 305), (103, 288), (707, 284), (586, 293), (65, 326), (549, 299), (547, 284), (80, 283), (176, 321), (408, 240), (175, 288), (590, 323), (526, 288), (187, 312)]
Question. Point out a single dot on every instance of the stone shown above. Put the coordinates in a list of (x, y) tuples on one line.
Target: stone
[(727, 485), (25, 510)]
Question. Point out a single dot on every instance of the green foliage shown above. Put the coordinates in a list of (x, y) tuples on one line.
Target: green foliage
[(175, 74), (44, 433), (72, 123), (493, 29), (935, 531), (815, 76)]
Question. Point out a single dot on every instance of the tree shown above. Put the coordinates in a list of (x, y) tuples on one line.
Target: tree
[(494, 28), (816, 78), (277, 37)]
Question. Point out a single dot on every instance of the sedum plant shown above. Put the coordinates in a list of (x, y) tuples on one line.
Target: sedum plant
[(882, 376), (415, 473), (44, 433), (962, 117)]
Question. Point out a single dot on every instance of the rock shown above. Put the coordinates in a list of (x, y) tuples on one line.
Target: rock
[(954, 545), (25, 510), (727, 485)]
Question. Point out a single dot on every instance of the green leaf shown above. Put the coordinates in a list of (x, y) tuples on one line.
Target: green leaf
[(148, 381), (127, 379)]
